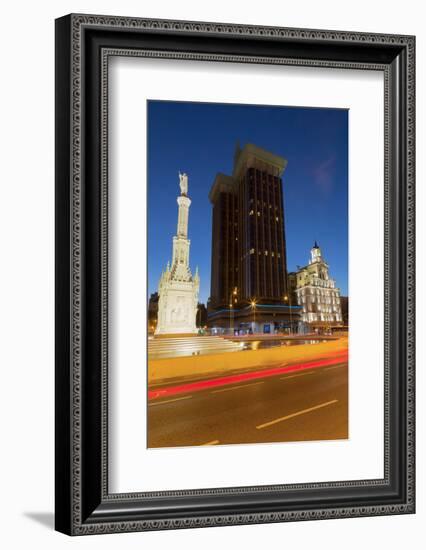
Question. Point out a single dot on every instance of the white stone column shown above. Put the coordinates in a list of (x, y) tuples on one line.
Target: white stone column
[(177, 306), (183, 215)]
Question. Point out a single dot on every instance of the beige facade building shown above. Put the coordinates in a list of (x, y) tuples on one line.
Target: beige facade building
[(316, 292)]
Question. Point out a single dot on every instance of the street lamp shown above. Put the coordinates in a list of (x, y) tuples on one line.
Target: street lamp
[(231, 305), (288, 299), (253, 306)]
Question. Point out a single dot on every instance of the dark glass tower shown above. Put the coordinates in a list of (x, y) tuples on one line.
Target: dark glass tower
[(248, 237)]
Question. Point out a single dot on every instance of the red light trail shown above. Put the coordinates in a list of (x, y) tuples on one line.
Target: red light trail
[(200, 385)]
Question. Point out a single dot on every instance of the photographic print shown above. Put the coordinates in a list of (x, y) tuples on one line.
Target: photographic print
[(248, 302), (213, 244)]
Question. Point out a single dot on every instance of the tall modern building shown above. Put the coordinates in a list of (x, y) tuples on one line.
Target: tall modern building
[(178, 289), (248, 269), (316, 293)]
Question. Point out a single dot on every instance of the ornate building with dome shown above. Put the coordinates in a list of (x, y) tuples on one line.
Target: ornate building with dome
[(316, 292)]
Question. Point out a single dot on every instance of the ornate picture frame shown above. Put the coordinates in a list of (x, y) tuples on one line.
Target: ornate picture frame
[(84, 44)]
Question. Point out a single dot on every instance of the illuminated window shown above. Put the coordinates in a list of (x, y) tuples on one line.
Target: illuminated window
[(251, 213), (258, 213), (276, 218), (266, 252), (251, 250)]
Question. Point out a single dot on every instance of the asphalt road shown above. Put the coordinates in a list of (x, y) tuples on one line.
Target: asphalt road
[(297, 406)]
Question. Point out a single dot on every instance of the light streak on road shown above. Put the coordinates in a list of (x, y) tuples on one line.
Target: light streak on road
[(200, 385)]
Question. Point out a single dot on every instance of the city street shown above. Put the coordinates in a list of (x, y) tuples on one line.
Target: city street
[(302, 402)]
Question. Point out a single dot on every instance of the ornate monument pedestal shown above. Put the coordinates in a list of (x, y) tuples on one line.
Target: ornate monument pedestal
[(178, 289)]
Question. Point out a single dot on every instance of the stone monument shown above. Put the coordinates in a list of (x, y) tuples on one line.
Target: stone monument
[(178, 289)]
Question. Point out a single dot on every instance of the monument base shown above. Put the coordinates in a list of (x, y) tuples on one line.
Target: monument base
[(177, 308)]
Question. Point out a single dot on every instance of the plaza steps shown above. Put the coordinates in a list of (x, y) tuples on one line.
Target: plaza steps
[(162, 348)]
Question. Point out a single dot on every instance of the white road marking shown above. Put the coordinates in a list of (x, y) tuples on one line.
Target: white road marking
[(170, 400), (237, 387), (296, 375), (336, 367), (295, 414), (214, 442)]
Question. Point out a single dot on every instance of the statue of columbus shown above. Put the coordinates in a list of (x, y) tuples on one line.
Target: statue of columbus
[(183, 183)]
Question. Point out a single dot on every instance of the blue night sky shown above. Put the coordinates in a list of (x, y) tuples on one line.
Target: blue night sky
[(200, 138)]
